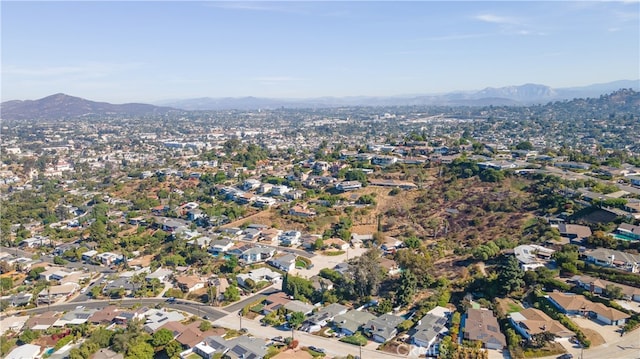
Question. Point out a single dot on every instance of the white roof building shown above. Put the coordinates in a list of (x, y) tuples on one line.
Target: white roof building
[(26, 351)]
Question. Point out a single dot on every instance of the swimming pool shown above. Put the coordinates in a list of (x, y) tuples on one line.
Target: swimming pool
[(622, 237)]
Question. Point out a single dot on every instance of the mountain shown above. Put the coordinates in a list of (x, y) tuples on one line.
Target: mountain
[(503, 96), (60, 106)]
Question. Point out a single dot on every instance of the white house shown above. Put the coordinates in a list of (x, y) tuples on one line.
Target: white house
[(290, 238), (25, 351)]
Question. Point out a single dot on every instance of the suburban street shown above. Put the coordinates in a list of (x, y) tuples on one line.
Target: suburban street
[(332, 346)]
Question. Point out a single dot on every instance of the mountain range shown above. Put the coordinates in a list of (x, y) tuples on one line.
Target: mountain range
[(60, 106)]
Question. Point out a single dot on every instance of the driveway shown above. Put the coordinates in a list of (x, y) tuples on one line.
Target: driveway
[(608, 332), (333, 347), (321, 261)]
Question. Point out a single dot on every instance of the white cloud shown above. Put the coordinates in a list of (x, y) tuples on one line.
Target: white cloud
[(497, 19)]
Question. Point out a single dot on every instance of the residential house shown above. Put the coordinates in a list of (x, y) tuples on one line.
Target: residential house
[(200, 242), (218, 246), (342, 268), (350, 322), (274, 301), (57, 293), (321, 284), (577, 304), (279, 190), (290, 238), (242, 347), (89, 255), (106, 353), (123, 284), (155, 318), (18, 300), (430, 329), (532, 256), (125, 316), (270, 235), (104, 315), (108, 258), (574, 232), (34, 242), (390, 244), (172, 225), (382, 160), (75, 317), (233, 232), (25, 351), (12, 323), (308, 241), (285, 263), (161, 274), (259, 275), (189, 283), (42, 321), (250, 253), (629, 230), (481, 325), (390, 266), (264, 202), (250, 234), (323, 316), (345, 186), (613, 258), (250, 184), (531, 321), (192, 334), (299, 306), (265, 188), (194, 214), (301, 211), (336, 243), (383, 328), (599, 286)]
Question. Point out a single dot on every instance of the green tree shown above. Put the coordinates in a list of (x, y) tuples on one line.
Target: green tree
[(232, 294), (140, 350), (384, 306), (28, 335), (161, 337), (295, 320), (510, 275), (407, 288), (412, 242), (173, 349)]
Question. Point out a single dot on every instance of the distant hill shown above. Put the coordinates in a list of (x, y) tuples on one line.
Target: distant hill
[(511, 95), (61, 106)]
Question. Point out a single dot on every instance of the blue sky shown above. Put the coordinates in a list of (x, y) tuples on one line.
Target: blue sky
[(121, 51)]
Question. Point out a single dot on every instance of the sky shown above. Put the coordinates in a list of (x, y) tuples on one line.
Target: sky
[(150, 51)]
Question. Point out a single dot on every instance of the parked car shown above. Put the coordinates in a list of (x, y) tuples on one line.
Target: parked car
[(566, 356), (317, 350)]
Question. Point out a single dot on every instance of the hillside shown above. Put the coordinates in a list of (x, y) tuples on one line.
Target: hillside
[(61, 106)]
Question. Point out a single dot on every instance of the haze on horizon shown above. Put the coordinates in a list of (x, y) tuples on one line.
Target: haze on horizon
[(152, 51)]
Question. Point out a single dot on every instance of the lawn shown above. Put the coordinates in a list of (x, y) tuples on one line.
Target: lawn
[(356, 339)]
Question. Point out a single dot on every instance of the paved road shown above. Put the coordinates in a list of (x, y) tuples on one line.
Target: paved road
[(331, 345)]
